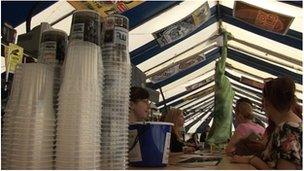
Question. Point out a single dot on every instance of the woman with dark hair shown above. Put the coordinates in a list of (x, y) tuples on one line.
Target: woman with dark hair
[(284, 148)]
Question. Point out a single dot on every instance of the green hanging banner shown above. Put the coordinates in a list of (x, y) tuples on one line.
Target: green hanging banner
[(221, 127)]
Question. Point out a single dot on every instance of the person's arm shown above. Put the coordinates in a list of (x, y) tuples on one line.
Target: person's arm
[(176, 146), (258, 163), (253, 160), (285, 165), (233, 141)]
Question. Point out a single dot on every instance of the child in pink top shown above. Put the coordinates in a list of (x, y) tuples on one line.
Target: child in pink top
[(246, 129)]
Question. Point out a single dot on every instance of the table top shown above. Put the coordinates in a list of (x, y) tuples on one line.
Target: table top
[(175, 158)]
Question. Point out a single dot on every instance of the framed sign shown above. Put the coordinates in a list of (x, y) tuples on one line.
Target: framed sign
[(252, 83), (177, 67), (200, 83), (105, 8), (202, 93), (183, 27), (14, 57), (261, 18)]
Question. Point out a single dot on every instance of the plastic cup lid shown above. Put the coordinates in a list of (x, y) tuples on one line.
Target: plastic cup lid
[(152, 123)]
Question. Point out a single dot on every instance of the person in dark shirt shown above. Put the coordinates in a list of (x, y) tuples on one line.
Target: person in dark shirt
[(204, 134), (193, 140), (176, 117)]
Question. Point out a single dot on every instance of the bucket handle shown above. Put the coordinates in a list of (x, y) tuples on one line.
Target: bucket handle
[(138, 135)]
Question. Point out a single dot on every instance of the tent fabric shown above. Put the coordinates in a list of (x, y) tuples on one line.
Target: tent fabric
[(253, 53), (220, 130)]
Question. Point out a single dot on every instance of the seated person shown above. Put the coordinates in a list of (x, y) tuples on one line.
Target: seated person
[(176, 117), (193, 141), (204, 134), (246, 129), (284, 148), (139, 104)]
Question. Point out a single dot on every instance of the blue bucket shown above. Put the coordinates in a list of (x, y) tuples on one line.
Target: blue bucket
[(149, 143)]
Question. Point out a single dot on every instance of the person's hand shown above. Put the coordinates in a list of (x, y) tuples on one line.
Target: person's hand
[(190, 144), (188, 150), (240, 159), (229, 150)]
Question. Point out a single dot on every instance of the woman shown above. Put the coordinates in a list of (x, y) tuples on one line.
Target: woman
[(246, 130), (139, 104), (284, 148), (176, 117)]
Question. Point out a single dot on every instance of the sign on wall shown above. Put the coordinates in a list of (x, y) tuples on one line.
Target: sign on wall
[(177, 67), (105, 8), (264, 19), (14, 56), (183, 27), (252, 83), (202, 93), (200, 83)]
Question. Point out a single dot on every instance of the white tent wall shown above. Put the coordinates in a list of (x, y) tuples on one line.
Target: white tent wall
[(244, 85), (194, 127), (50, 15), (193, 92), (182, 86), (184, 80), (64, 25), (263, 41), (284, 56), (196, 101), (202, 105), (259, 73), (199, 106), (3, 68), (264, 56)]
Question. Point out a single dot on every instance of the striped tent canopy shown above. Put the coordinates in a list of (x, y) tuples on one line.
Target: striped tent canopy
[(176, 44)]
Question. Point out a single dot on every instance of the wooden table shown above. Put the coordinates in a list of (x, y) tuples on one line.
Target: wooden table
[(175, 158)]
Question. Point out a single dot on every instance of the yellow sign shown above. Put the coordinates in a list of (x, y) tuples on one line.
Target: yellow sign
[(14, 57), (105, 8)]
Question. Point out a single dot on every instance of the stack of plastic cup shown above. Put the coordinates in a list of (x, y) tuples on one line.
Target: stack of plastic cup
[(52, 52), (117, 75), (29, 122), (80, 100)]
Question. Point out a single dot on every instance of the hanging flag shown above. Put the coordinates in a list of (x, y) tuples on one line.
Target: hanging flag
[(183, 27), (14, 55), (220, 130), (264, 19), (177, 67), (105, 8)]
